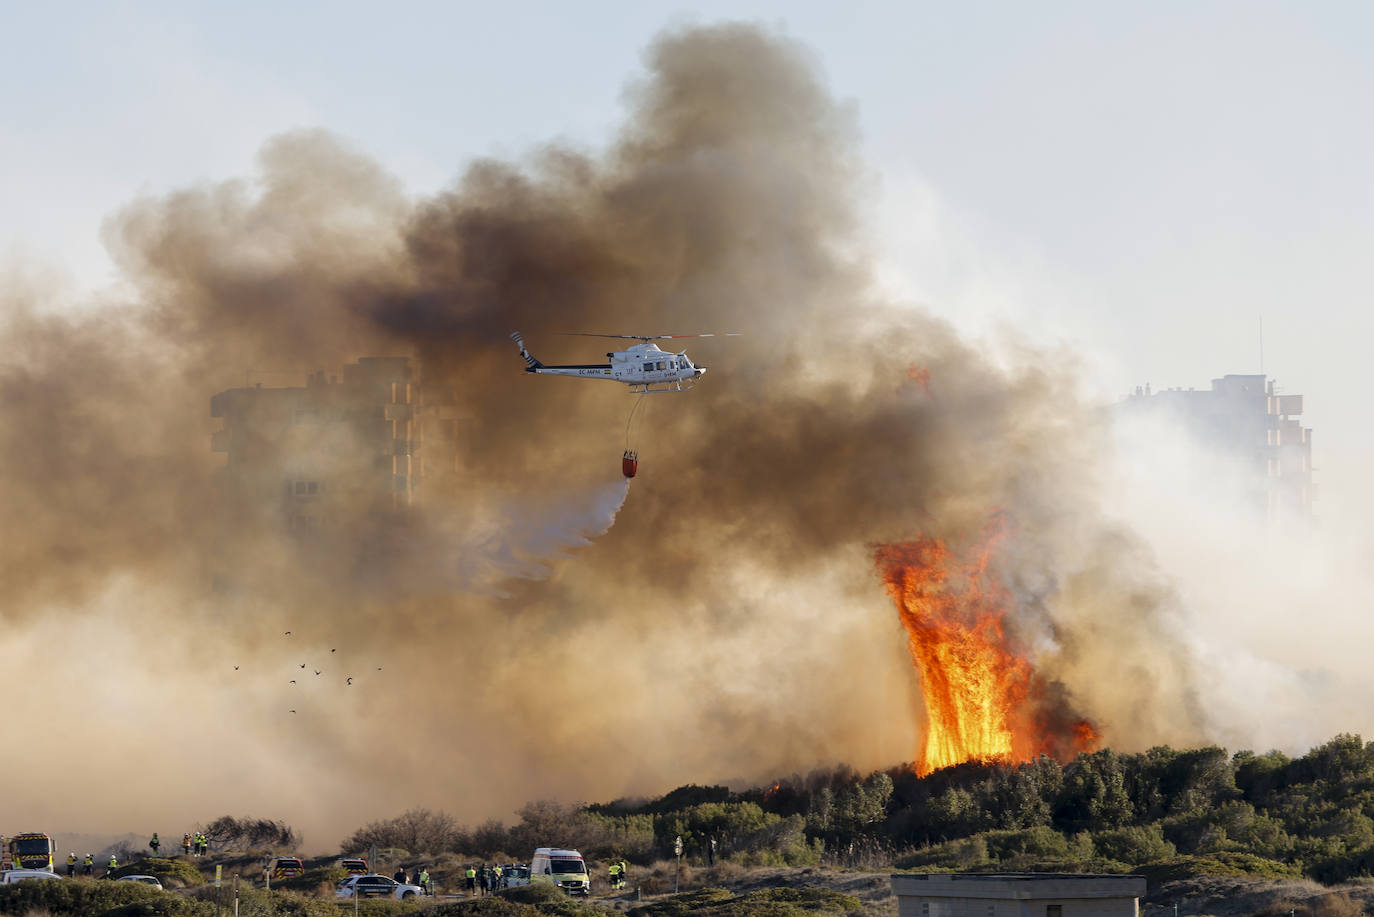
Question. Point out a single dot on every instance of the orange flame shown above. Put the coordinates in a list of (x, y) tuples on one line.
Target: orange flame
[(920, 376), (983, 701)]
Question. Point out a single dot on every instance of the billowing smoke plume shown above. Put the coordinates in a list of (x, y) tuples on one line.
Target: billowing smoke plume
[(729, 624)]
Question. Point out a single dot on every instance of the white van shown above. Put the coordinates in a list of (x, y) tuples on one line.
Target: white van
[(564, 868)]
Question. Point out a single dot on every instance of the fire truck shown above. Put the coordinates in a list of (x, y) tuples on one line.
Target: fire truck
[(32, 850)]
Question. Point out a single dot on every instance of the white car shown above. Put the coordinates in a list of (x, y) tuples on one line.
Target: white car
[(146, 880), (20, 875), (375, 886)]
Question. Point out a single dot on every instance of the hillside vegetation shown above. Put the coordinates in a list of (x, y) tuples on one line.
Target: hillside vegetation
[(1170, 813), (1216, 832)]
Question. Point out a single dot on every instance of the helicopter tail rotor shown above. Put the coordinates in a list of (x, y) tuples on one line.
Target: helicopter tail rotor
[(531, 363)]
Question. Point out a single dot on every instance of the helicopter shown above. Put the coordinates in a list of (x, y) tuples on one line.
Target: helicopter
[(645, 368)]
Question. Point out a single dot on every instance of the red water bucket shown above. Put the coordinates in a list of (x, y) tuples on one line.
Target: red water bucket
[(629, 464)]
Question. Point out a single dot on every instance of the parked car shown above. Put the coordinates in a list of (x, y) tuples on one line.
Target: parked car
[(21, 875), (375, 886), (354, 866), (146, 880), (285, 867), (516, 875)]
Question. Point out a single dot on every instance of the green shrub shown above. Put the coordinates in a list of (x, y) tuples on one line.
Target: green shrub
[(95, 899), (770, 902), (1134, 845), (486, 907), (689, 903), (1068, 864), (1222, 864), (256, 902), (173, 872), (1040, 841), (539, 898), (311, 880), (965, 853)]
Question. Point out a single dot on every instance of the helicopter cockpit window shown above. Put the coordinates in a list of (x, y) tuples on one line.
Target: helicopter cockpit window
[(648, 367)]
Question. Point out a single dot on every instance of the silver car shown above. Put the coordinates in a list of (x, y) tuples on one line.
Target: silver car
[(146, 880), (375, 886)]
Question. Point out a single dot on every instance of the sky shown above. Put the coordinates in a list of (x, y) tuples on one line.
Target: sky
[(1149, 183), (1136, 190)]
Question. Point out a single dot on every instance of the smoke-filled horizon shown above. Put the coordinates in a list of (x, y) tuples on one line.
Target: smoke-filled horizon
[(539, 632)]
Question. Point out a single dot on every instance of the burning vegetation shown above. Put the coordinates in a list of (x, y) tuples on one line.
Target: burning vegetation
[(983, 700)]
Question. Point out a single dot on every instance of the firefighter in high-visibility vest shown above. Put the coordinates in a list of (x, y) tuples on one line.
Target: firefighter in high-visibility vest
[(471, 876), (87, 864), (114, 864), (614, 875), (71, 865)]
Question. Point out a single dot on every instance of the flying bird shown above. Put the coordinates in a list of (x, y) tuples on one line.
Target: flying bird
[(302, 665), (350, 679), (293, 681), (317, 671), (236, 668), (379, 668), (287, 634), (293, 711), (331, 651)]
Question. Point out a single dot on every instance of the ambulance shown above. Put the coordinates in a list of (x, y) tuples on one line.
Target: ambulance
[(563, 868)]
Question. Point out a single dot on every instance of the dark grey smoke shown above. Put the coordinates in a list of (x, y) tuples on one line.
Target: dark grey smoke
[(730, 623)]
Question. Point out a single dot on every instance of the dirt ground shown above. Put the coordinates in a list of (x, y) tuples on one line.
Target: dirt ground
[(1214, 896)]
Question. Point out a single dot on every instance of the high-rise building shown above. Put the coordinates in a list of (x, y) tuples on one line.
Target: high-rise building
[(1245, 418), (333, 452)]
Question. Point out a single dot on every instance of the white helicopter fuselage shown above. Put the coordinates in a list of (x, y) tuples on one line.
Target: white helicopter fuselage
[(642, 366)]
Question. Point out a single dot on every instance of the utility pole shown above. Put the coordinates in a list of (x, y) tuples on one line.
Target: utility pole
[(677, 850)]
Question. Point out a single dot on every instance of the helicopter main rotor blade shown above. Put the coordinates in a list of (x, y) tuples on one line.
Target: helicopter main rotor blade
[(646, 337), (628, 337)]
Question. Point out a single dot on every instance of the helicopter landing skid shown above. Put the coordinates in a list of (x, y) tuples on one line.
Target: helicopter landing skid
[(670, 388)]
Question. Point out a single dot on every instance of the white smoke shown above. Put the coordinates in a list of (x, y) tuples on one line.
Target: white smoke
[(1277, 618), (507, 536)]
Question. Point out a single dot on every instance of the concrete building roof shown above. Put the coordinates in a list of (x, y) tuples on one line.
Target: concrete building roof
[(1018, 886)]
